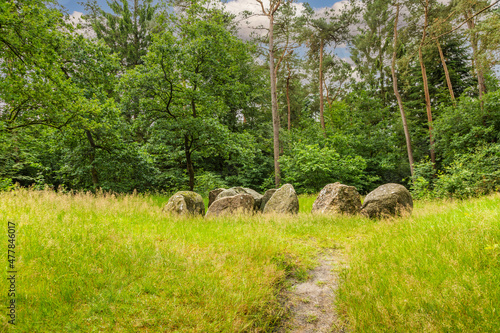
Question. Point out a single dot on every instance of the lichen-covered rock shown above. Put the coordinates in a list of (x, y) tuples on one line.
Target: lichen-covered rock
[(231, 192), (337, 198), (241, 203), (283, 201), (386, 201), (256, 196), (266, 197), (212, 195), (185, 203)]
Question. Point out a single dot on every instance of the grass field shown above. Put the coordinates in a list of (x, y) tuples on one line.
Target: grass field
[(102, 263)]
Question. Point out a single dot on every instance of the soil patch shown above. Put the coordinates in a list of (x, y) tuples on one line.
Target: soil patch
[(312, 303)]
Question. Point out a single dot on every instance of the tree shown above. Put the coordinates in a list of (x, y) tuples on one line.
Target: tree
[(371, 46), (320, 32), (185, 86), (270, 12), (35, 89), (126, 31), (396, 91)]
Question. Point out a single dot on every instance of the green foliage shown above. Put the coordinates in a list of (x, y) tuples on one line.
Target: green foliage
[(166, 99), (468, 125), (207, 181), (422, 181), (471, 174), (189, 80), (309, 168), (127, 32), (6, 184)]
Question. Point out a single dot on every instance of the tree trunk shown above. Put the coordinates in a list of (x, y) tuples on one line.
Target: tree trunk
[(321, 102), (93, 171), (288, 97), (274, 105), (446, 73), (382, 74), (189, 162), (426, 86), (396, 92), (475, 63)]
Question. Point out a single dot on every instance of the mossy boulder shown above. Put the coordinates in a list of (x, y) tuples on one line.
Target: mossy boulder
[(212, 195), (237, 204), (386, 201), (256, 196), (185, 203), (283, 201), (266, 197), (231, 192), (337, 198)]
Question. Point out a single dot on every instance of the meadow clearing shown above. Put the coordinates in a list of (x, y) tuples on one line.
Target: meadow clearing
[(106, 263)]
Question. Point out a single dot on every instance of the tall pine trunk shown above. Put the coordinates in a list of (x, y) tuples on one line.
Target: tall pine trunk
[(446, 73), (396, 92), (274, 105), (288, 97), (189, 162), (481, 82), (426, 85), (93, 169), (321, 101)]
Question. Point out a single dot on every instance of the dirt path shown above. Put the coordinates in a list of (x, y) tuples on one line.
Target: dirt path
[(312, 302)]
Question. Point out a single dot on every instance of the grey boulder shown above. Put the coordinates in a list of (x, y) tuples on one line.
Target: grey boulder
[(240, 190), (337, 198), (241, 203), (266, 197), (212, 195), (283, 201), (387, 201), (185, 203)]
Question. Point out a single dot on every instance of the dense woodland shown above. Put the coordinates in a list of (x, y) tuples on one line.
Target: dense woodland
[(169, 96)]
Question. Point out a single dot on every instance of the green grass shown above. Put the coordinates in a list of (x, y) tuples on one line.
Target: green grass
[(437, 271), (108, 264)]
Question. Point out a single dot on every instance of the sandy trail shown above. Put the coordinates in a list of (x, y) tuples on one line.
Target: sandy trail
[(311, 302)]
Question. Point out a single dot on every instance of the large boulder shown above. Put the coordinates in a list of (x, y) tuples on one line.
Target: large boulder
[(256, 196), (231, 192), (283, 201), (185, 203), (212, 195), (241, 203), (337, 199), (240, 190), (386, 201), (266, 197)]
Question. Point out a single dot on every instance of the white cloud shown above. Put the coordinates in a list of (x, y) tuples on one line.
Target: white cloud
[(247, 26), (76, 18)]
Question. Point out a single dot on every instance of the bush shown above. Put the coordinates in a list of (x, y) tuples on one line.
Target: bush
[(469, 175), (422, 183), (207, 181), (309, 168), (6, 184)]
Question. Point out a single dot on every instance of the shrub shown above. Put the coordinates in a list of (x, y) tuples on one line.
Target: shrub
[(469, 175), (309, 168)]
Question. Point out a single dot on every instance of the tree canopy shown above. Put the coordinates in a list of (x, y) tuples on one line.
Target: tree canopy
[(164, 98)]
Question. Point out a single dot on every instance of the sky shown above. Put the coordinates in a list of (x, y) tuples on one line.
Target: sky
[(234, 6), (72, 5)]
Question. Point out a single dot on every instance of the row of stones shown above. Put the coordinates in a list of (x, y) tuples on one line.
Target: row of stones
[(386, 200), (234, 200)]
